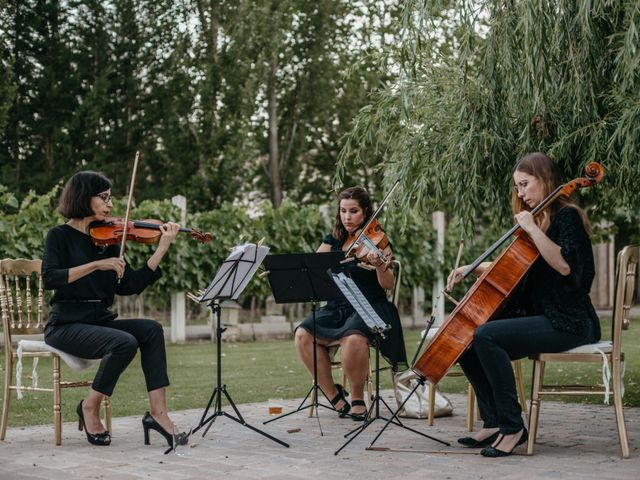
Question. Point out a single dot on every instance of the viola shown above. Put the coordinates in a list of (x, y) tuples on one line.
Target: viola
[(492, 289), (111, 231), (372, 239)]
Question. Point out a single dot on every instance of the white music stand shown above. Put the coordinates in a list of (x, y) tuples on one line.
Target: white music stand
[(229, 282)]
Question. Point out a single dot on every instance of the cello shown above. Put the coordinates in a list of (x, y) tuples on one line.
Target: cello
[(492, 289)]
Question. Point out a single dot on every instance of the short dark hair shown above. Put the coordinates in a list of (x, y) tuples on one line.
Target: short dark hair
[(75, 200)]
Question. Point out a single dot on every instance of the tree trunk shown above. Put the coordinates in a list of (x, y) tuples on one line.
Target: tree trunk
[(275, 181)]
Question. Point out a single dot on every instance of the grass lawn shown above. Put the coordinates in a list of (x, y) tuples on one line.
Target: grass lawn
[(257, 371)]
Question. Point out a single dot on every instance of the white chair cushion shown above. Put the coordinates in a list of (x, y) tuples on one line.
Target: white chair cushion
[(600, 347), (72, 361)]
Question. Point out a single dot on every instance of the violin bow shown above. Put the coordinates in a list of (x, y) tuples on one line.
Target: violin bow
[(129, 200), (371, 219)]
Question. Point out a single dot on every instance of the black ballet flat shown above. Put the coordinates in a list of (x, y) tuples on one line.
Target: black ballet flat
[(101, 439), (342, 395), (473, 443), (494, 452), (358, 417)]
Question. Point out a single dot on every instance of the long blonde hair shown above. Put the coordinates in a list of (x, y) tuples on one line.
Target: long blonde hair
[(546, 171)]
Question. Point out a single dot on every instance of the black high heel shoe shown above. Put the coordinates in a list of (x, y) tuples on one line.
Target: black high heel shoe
[(473, 443), (494, 452), (148, 422), (100, 439), (359, 417), (342, 395)]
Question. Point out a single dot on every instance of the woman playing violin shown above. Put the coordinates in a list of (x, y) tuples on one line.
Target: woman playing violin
[(550, 312), (85, 280), (339, 321)]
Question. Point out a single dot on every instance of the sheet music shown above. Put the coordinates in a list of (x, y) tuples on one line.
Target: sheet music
[(359, 302), (235, 272)]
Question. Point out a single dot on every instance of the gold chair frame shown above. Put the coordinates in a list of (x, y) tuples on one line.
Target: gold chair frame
[(626, 271), (22, 314)]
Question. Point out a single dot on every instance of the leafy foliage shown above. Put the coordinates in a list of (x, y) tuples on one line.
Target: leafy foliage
[(185, 82), (484, 82)]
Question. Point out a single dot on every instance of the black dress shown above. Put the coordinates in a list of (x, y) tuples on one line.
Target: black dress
[(337, 318)]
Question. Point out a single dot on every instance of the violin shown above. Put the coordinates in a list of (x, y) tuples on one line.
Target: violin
[(112, 230), (370, 239)]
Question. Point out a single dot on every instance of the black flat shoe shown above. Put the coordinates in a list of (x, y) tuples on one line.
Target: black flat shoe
[(473, 443), (342, 395), (101, 439), (358, 417), (494, 452)]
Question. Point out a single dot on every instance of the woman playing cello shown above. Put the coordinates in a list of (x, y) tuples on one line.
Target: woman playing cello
[(338, 320), (551, 311)]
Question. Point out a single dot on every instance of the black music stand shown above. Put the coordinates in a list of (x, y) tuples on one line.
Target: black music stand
[(378, 328), (232, 277), (303, 277), (420, 382)]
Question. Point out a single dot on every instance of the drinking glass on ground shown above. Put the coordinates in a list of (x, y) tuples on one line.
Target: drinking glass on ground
[(275, 406)]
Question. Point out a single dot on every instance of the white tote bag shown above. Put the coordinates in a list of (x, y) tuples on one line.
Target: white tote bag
[(418, 404)]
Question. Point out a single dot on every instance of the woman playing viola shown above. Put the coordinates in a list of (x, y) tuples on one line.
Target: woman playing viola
[(85, 280), (339, 321), (551, 310)]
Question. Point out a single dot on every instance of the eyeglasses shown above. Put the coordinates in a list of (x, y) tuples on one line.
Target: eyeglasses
[(105, 197)]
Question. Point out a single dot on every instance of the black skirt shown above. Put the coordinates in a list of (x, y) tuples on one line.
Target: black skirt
[(334, 321)]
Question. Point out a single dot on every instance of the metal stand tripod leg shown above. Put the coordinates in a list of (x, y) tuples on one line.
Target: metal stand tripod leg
[(375, 406), (216, 396), (421, 381), (315, 388)]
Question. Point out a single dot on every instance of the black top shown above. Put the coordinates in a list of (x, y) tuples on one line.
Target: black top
[(87, 300), (367, 280), (564, 299)]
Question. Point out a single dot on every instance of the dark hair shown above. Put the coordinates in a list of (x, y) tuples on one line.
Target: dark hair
[(543, 168), (364, 201), (75, 200)]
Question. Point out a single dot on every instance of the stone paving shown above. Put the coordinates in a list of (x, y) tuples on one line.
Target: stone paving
[(575, 442)]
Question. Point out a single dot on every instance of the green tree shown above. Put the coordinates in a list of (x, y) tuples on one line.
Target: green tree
[(224, 99), (319, 72), (492, 80), (42, 100), (7, 87)]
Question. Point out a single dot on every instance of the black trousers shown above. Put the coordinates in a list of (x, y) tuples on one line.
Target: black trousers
[(116, 343), (487, 363)]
